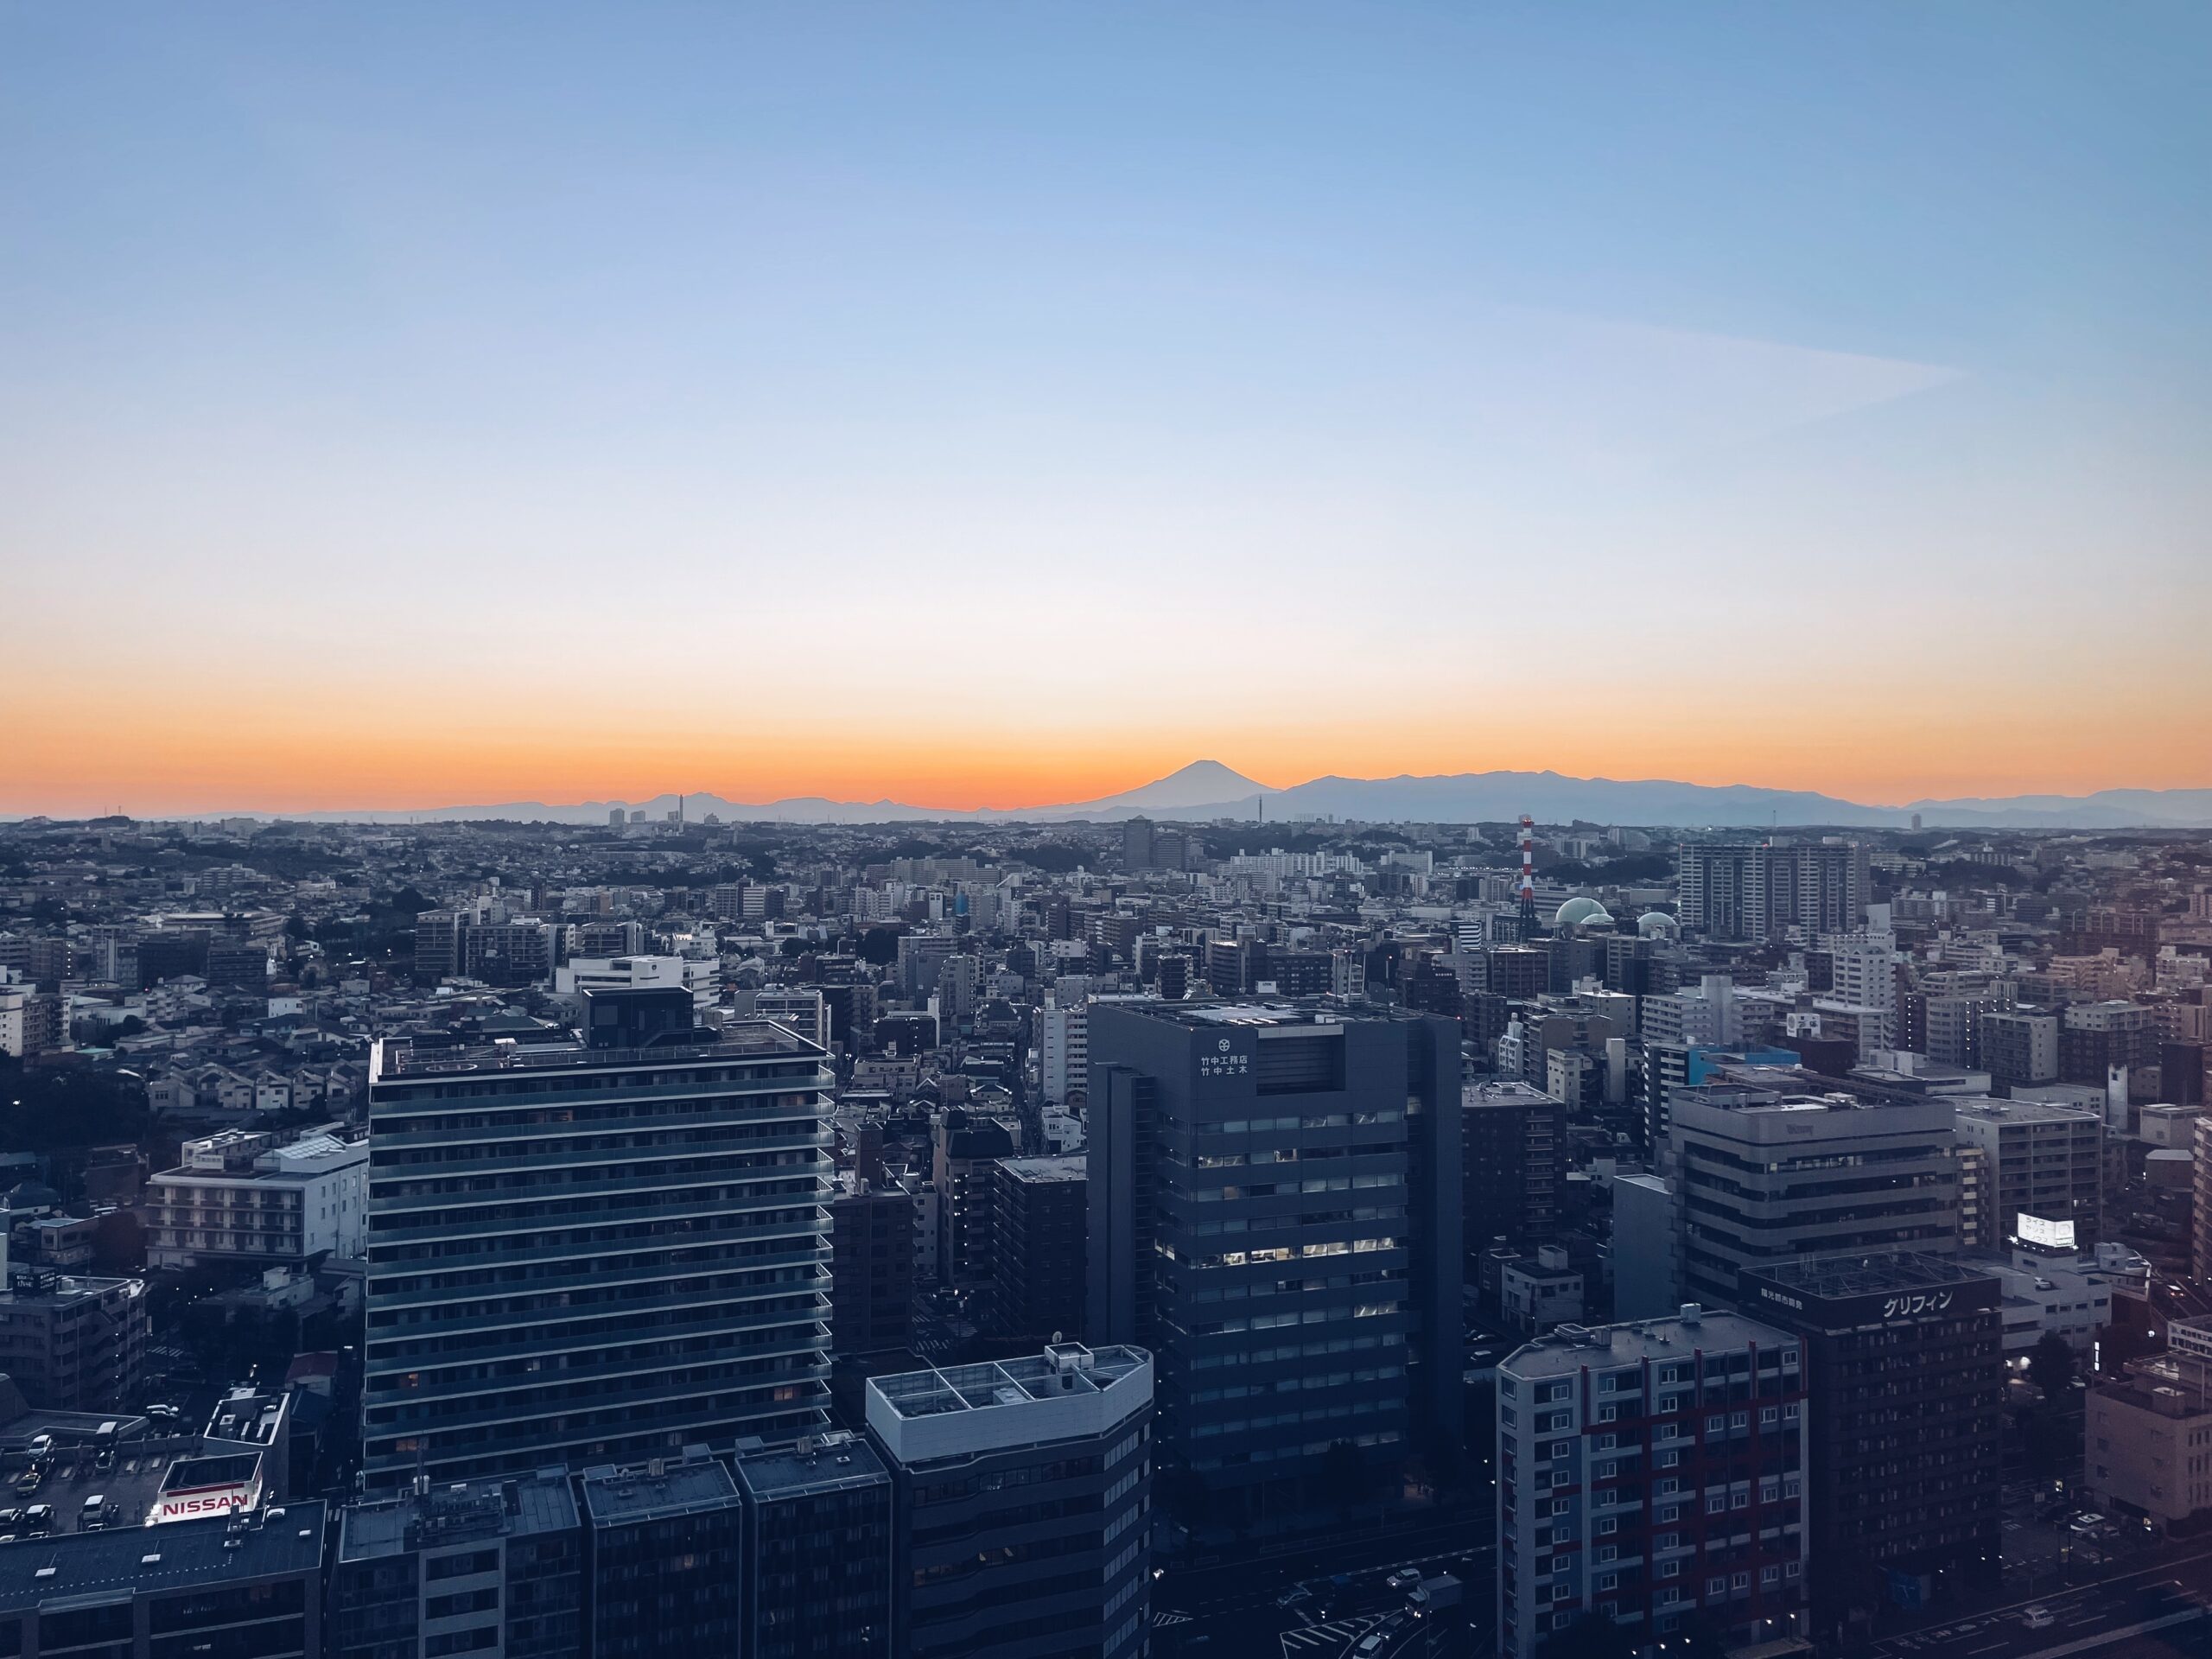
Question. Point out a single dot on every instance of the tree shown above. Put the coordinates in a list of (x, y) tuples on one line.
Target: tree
[(1590, 1636), (880, 946), (2050, 1366)]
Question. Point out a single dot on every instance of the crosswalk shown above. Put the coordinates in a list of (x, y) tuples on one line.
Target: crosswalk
[(1161, 1621), (1315, 1641)]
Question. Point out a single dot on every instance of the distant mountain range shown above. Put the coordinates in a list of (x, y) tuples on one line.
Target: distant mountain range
[(1206, 790)]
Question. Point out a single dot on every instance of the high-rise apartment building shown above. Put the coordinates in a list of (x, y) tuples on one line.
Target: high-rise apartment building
[(1513, 1164), (1904, 1365), (1764, 1172), (1063, 1050), (871, 1264), (1275, 1197), (2096, 1036), (1652, 1473), (1760, 890), (1041, 1216), (2019, 1045), (593, 1255), (1024, 1505), (2042, 1160)]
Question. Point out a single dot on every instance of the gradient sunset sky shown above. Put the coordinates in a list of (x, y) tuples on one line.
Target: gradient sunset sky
[(1005, 404)]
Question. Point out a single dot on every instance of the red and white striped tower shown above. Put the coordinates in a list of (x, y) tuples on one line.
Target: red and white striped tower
[(1528, 877)]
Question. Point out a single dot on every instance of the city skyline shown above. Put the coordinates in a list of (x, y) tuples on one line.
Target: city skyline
[(567, 407)]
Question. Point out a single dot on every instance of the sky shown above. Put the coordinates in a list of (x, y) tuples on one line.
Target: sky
[(997, 405)]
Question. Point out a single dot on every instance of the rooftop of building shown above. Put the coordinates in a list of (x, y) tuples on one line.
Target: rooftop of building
[(407, 1057), (656, 1491), (825, 1463), (1502, 1091), (1565, 1350), (248, 1416), (1063, 1368), (2024, 1111), (1866, 1275), (1265, 1013), (515, 1508), (30, 1287), (1068, 1167), (185, 1554)]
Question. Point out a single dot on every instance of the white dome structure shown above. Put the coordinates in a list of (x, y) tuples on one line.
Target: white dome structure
[(1658, 925), (1579, 912)]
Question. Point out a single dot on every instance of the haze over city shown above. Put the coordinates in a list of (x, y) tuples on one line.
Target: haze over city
[(999, 407)]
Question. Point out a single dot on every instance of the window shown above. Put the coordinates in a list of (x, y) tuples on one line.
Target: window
[(1608, 1413), (1608, 1523), (1609, 1552), (1560, 1506), (1739, 1419), (1770, 1575), (1740, 1581), (1608, 1471), (1609, 1580), (1717, 1504), (1718, 1586), (1716, 1425), (1769, 1414)]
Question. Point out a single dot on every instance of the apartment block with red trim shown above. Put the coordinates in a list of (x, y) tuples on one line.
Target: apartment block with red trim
[(1653, 1474)]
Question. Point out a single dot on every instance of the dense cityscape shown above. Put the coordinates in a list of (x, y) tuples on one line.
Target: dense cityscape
[(550, 1240)]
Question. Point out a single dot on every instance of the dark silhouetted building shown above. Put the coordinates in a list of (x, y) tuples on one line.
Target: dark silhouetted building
[(1513, 1159), (1275, 1197), (663, 1549), (872, 1266), (1024, 1505), (1904, 1365), (816, 1560), (1040, 1217)]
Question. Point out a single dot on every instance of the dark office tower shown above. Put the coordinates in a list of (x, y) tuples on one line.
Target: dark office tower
[(173, 953), (1136, 844), (493, 1567), (815, 1567), (1040, 1216), (1024, 1500), (440, 937), (234, 964), (1274, 1210), (872, 1265), (1904, 1364), (1233, 966), (591, 1254), (1629, 961), (1171, 850), (1174, 978), (1516, 972), (662, 1548), (2094, 1037), (1513, 1159), (962, 1150)]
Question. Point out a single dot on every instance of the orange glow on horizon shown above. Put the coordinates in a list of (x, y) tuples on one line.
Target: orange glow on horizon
[(326, 763)]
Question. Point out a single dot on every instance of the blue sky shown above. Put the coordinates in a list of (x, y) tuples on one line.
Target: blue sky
[(1224, 337)]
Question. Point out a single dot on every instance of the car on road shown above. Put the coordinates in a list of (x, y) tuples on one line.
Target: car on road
[(2038, 1617), (1292, 1597), (1406, 1578)]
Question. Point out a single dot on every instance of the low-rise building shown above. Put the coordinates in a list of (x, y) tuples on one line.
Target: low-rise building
[(242, 1195), (72, 1342)]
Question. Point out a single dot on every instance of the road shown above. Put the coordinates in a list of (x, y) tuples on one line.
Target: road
[(1231, 1611), (2148, 1611)]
